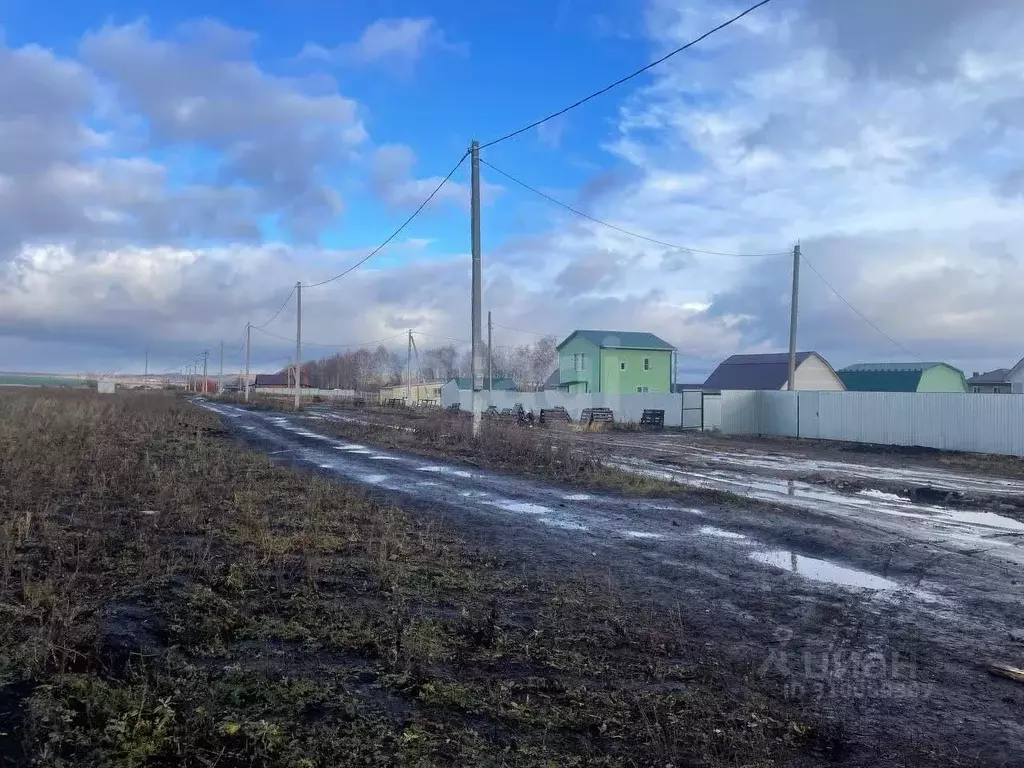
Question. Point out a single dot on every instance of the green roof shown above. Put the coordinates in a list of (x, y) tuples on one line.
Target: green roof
[(620, 340), (885, 377)]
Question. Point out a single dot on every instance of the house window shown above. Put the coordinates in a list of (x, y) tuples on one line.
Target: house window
[(579, 361), (647, 363), (643, 390), (622, 365)]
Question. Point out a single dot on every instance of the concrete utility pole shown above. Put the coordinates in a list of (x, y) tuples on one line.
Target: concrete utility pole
[(206, 356), (220, 381), (188, 377), (408, 370), (248, 336), (791, 384), (490, 331), (298, 344), (474, 236)]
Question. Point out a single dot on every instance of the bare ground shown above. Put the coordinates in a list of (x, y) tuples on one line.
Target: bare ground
[(171, 598)]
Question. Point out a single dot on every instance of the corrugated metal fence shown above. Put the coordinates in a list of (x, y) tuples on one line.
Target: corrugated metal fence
[(948, 421)]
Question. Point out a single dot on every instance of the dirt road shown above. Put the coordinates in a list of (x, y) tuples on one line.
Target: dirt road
[(882, 619)]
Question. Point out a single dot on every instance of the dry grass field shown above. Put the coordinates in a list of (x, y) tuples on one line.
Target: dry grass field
[(169, 598)]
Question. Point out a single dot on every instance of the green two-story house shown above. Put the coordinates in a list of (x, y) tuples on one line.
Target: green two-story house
[(614, 362)]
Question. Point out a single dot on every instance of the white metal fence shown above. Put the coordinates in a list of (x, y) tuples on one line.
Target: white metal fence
[(328, 394), (629, 407), (948, 421)]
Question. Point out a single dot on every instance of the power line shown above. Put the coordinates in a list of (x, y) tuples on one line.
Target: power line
[(520, 330), (855, 310), (280, 309), (394, 234), (436, 336), (314, 344), (587, 216), (628, 77)]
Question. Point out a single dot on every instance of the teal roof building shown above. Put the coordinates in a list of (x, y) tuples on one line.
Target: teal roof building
[(903, 377)]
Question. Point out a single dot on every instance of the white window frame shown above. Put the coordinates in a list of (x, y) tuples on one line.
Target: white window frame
[(643, 390), (579, 361), (647, 363), (622, 365)]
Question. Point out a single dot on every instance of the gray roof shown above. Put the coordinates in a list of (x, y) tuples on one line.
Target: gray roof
[(620, 340), (502, 382), (768, 371), (998, 376), (553, 380)]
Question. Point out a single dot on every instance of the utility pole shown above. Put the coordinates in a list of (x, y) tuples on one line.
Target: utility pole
[(490, 330), (408, 370), (248, 336), (474, 236), (145, 370), (791, 385), (188, 377), (220, 381), (206, 356), (298, 344)]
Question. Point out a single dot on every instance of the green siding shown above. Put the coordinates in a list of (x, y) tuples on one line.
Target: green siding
[(616, 381), (583, 381), (942, 378)]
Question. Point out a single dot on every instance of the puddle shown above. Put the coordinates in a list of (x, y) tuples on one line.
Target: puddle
[(446, 471), (641, 534), (384, 458), (427, 484), (566, 525), (372, 479), (822, 570), (721, 533), (876, 494), (522, 507), (578, 497)]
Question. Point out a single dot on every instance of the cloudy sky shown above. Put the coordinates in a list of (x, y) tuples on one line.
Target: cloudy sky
[(167, 176)]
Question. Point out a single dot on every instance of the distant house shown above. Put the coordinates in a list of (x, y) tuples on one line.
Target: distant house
[(450, 391), (995, 382), (771, 371), (281, 379), (615, 362), (903, 377)]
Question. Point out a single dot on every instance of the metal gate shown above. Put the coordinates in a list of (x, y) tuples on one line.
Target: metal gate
[(693, 409)]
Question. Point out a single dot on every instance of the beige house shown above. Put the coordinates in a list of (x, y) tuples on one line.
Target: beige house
[(423, 393)]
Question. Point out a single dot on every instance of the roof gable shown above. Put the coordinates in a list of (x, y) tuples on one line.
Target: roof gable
[(768, 371), (620, 340)]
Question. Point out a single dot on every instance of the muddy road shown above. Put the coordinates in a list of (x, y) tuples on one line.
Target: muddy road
[(882, 620)]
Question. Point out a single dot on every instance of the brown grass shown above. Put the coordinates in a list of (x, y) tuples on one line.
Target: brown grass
[(170, 599)]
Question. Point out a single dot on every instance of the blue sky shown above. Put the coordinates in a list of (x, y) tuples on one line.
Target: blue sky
[(168, 171), (491, 69)]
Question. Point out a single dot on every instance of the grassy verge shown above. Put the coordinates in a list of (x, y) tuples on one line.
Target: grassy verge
[(171, 599)]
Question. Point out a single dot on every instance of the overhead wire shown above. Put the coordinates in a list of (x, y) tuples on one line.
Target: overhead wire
[(594, 219), (280, 309), (625, 79), (520, 330), (394, 234), (315, 344), (856, 311)]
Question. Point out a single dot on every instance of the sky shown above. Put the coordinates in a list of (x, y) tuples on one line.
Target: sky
[(167, 176)]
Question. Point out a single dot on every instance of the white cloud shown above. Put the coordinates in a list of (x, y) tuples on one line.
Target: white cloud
[(397, 43)]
